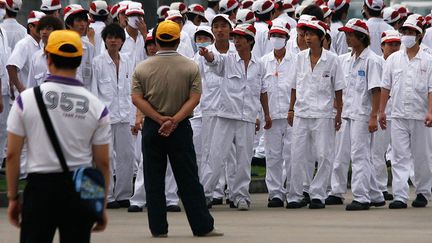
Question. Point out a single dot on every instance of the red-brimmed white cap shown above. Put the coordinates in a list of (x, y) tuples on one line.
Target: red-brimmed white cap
[(99, 8), (390, 15), (204, 28), (318, 25), (72, 9), (114, 11), (263, 6), (50, 5), (134, 8), (326, 11), (34, 17), (149, 36), (414, 21), (376, 5), (280, 27), (224, 17), (173, 14), (335, 5), (123, 6), (403, 11), (246, 4), (390, 36), (226, 6), (244, 30), (355, 25), (199, 10), (179, 6), (290, 6), (318, 2), (298, 11), (162, 11), (245, 16), (304, 19), (427, 19), (13, 5)]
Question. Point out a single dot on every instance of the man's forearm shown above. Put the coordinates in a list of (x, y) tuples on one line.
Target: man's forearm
[(376, 95), (264, 103), (430, 102), (145, 107), (187, 107), (15, 144), (384, 96), (339, 102), (13, 78), (292, 99)]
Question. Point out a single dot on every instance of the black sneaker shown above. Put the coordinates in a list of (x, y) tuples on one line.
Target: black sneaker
[(397, 205), (316, 204), (306, 197), (388, 196), (420, 201), (333, 200), (217, 201), (377, 204), (357, 206), (113, 205), (232, 205), (173, 208), (124, 203), (227, 201), (134, 209), (275, 203), (300, 204)]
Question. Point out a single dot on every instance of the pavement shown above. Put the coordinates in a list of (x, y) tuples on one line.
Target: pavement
[(261, 224)]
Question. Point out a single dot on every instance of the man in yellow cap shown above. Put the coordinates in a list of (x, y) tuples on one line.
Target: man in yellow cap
[(166, 88), (81, 124)]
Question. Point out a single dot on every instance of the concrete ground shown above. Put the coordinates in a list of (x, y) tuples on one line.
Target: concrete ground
[(262, 224)]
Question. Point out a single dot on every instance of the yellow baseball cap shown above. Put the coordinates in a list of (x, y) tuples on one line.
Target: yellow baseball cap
[(59, 38), (168, 31)]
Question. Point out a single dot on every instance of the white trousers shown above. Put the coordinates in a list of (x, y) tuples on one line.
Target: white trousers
[(412, 145), (317, 135), (240, 133), (259, 147), (122, 162), (278, 150), (139, 196), (381, 139)]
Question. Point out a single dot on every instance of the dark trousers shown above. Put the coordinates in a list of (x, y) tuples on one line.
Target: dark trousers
[(180, 150), (48, 205)]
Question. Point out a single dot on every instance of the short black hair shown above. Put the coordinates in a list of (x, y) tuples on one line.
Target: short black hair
[(115, 30), (168, 43), (191, 16), (265, 17), (49, 21), (319, 33), (68, 63), (337, 15), (101, 18), (11, 14), (202, 33), (71, 19), (234, 11), (314, 10), (365, 39), (49, 12), (248, 38), (28, 27), (212, 4)]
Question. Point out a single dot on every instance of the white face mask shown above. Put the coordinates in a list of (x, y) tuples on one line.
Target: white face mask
[(408, 41), (2, 13), (277, 42), (132, 21), (203, 44)]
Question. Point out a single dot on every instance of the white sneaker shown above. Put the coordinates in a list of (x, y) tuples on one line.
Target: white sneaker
[(243, 205)]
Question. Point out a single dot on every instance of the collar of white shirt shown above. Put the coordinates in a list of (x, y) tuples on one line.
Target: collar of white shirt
[(253, 59), (64, 80), (323, 57), (419, 54)]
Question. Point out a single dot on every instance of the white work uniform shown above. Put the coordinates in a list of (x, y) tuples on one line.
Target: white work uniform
[(99, 45), (38, 71), (313, 128), (410, 83), (4, 54), (292, 46), (134, 48), (376, 27), (209, 15), (287, 19), (84, 71), (21, 57), (190, 28), (114, 90), (278, 137), (14, 32), (338, 39), (427, 39), (362, 74), (235, 122), (185, 47), (262, 45)]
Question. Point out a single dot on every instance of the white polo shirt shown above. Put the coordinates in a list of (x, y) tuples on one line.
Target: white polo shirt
[(21, 57), (262, 45), (38, 71), (185, 47), (240, 91), (376, 27), (409, 82), (14, 32), (315, 90), (134, 49), (276, 77), (79, 119), (362, 74), (99, 45), (84, 71), (338, 39), (112, 89)]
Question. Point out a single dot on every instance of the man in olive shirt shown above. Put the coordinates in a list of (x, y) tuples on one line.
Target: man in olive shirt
[(166, 88)]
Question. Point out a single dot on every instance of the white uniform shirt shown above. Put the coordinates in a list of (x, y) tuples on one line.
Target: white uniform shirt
[(99, 45), (262, 45), (14, 32), (409, 82), (112, 89), (315, 90), (338, 39), (79, 119), (427, 39), (276, 77), (209, 15), (134, 49), (362, 74), (84, 71), (4, 55), (292, 46), (38, 71), (240, 91), (21, 57), (287, 19), (185, 47), (376, 27)]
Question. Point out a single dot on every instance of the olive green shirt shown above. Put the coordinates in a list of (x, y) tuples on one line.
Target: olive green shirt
[(166, 80)]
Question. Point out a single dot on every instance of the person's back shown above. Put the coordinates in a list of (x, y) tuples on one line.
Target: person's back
[(14, 31)]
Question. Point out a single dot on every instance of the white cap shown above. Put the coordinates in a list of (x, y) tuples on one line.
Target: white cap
[(335, 5), (204, 28), (326, 11), (72, 9), (298, 11), (244, 29), (304, 19), (50, 5), (173, 14), (263, 6), (390, 36), (134, 8), (226, 6), (246, 4), (414, 21), (290, 6), (318, 25), (162, 11), (34, 17), (245, 16), (223, 16), (179, 6), (13, 5), (99, 8), (355, 25), (390, 15), (280, 27), (376, 5), (403, 11), (199, 10)]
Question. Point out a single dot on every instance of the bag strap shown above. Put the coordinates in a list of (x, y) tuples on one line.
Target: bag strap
[(50, 128)]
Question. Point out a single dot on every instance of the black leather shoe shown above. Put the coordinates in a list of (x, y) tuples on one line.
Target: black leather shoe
[(134, 209), (173, 208), (300, 204), (227, 201), (217, 201), (377, 204), (388, 196), (306, 197), (232, 205), (124, 203), (113, 205), (333, 200), (357, 206), (420, 201), (275, 203), (397, 205), (316, 204)]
